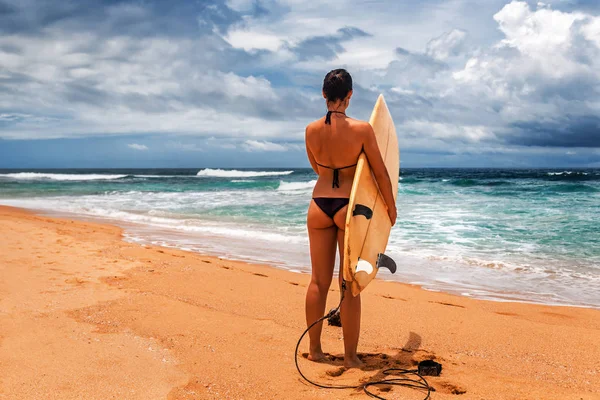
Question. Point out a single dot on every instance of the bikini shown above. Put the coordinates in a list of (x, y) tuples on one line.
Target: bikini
[(331, 205)]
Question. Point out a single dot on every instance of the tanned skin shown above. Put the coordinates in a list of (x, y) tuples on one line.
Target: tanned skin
[(337, 145)]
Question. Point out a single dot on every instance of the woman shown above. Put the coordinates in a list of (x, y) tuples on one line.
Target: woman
[(333, 145)]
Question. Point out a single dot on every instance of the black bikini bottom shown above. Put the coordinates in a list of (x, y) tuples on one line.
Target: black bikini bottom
[(331, 205)]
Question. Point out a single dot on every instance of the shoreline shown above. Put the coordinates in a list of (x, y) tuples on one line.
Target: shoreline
[(145, 322), (129, 235)]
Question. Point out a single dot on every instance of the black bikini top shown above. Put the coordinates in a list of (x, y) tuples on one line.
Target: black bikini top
[(336, 171), (336, 174)]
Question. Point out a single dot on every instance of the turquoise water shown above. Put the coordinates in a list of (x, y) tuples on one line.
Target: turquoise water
[(529, 235)]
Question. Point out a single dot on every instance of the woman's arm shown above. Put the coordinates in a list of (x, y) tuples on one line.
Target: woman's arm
[(379, 171), (309, 153)]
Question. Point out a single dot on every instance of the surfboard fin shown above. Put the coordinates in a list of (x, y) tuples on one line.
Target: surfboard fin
[(384, 261)]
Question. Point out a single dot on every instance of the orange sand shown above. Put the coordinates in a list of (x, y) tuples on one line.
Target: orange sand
[(84, 315)]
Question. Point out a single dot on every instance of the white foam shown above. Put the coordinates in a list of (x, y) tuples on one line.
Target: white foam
[(567, 173), (242, 180), (293, 186), (60, 177), (164, 176), (162, 219), (233, 173)]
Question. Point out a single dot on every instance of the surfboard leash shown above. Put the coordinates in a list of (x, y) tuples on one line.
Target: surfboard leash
[(418, 383)]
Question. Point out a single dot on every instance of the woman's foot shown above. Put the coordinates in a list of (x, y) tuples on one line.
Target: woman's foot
[(353, 362), (316, 354)]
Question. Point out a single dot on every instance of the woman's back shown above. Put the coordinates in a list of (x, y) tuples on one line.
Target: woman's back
[(335, 146)]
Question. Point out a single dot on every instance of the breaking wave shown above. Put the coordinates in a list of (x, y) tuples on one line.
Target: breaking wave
[(233, 173)]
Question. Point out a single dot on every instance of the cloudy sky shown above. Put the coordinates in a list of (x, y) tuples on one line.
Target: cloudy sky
[(233, 83)]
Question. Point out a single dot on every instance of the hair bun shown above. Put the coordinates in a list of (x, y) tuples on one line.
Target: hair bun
[(337, 84)]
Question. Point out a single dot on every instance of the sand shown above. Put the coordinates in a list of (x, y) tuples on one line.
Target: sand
[(85, 315)]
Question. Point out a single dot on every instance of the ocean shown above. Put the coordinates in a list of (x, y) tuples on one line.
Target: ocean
[(499, 234)]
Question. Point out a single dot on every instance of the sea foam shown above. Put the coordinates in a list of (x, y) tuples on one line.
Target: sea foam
[(233, 173), (60, 177), (294, 186)]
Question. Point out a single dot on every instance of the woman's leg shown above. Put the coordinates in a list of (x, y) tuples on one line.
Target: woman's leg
[(350, 310), (322, 234)]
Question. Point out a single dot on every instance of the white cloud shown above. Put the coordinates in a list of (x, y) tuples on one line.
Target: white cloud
[(391, 24), (253, 40), (240, 5), (256, 145), (446, 131), (136, 146), (128, 85), (544, 33), (447, 45), (544, 72)]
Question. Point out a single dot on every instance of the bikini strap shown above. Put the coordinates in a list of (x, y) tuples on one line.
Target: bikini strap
[(328, 116), (336, 174)]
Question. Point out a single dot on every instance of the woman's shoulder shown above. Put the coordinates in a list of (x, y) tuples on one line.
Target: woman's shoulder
[(359, 126), (314, 126), (315, 123)]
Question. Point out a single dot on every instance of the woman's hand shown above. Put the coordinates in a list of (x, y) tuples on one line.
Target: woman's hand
[(393, 214)]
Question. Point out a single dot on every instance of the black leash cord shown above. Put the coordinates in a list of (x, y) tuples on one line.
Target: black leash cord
[(419, 383)]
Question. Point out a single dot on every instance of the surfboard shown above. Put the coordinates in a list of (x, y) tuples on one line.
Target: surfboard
[(368, 225)]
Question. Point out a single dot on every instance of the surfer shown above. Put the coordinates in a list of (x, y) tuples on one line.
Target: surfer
[(333, 145)]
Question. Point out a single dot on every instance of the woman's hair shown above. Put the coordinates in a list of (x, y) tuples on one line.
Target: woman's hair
[(337, 84)]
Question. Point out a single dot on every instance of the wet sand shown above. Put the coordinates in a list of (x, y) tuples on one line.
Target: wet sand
[(85, 315)]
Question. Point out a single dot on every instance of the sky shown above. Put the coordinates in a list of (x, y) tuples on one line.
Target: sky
[(233, 83)]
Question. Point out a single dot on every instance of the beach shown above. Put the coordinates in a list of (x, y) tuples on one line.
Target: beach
[(505, 234), (84, 314), (161, 164)]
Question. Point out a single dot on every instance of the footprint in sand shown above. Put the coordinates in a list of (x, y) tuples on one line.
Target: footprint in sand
[(336, 372), (508, 314), (447, 304), (391, 297), (447, 387), (75, 281)]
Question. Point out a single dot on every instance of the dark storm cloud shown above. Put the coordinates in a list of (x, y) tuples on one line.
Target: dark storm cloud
[(412, 70), (10, 49), (409, 58), (14, 78), (572, 89), (6, 9), (78, 92), (580, 131), (32, 17), (326, 47)]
